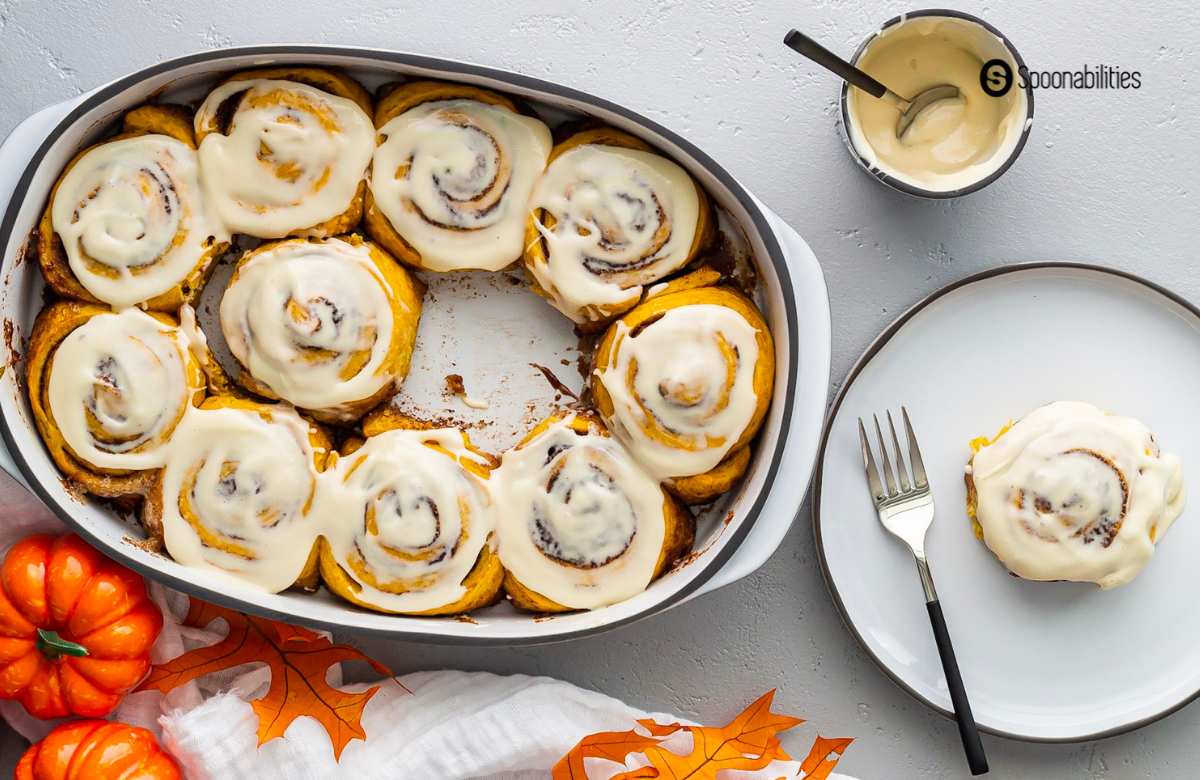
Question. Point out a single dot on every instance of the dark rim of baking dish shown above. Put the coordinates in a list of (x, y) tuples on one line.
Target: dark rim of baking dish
[(867, 356), (449, 68), (904, 186)]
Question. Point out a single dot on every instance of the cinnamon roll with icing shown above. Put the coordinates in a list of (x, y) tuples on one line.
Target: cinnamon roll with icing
[(284, 151), (327, 325), (409, 525), (579, 524), (127, 222), (609, 216), (108, 391), (1070, 492), (684, 381), (237, 491), (452, 176)]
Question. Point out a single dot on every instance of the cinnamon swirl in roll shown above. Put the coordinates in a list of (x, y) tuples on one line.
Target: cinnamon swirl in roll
[(579, 524), (609, 216), (409, 525), (108, 391), (237, 491), (1070, 492), (327, 325), (684, 381), (284, 151), (452, 175), (127, 222)]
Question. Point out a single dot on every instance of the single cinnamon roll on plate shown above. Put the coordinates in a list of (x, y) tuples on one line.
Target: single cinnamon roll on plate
[(236, 494), (284, 151), (1070, 492), (327, 325), (408, 530), (684, 381), (609, 216), (108, 391), (579, 524), (452, 175), (127, 222)]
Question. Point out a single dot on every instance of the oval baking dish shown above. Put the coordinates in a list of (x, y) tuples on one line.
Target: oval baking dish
[(732, 542)]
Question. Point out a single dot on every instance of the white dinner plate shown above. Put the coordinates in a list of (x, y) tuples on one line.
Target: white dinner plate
[(1041, 661)]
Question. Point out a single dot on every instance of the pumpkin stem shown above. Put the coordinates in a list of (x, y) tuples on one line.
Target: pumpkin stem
[(53, 646)]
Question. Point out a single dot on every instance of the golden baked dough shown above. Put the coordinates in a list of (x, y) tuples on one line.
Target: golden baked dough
[(160, 179), (704, 426), (628, 274), (678, 525), (189, 506), (131, 355), (347, 575), (337, 344)]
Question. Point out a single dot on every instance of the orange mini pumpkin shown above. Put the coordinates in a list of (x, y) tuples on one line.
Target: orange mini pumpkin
[(75, 628), (97, 750)]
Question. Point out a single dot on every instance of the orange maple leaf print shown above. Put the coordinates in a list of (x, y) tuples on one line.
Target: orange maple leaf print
[(749, 742), (299, 660)]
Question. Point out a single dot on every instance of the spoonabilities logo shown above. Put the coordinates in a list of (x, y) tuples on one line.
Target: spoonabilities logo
[(996, 77)]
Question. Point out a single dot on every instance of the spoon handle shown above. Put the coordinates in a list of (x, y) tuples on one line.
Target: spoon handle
[(831, 62)]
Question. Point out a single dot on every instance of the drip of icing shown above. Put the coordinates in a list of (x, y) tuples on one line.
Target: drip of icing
[(405, 508), (468, 170), (682, 387), (248, 480), (623, 218), (579, 522), (293, 157), (304, 298), (132, 220), (1073, 493), (128, 372)]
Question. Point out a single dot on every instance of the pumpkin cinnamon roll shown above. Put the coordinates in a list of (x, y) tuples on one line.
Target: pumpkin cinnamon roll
[(608, 216), (284, 151), (108, 391), (414, 521), (1070, 492), (684, 381), (452, 175), (579, 524), (237, 491), (327, 325), (127, 223)]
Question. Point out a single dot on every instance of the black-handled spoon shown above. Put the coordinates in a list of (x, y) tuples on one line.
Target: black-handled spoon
[(909, 109)]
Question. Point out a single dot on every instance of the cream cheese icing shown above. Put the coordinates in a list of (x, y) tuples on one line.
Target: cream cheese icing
[(1071, 492), (132, 218), (578, 522), (682, 387), (454, 177), (293, 156), (623, 218)]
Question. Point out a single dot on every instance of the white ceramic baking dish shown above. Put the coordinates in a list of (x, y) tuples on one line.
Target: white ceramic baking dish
[(733, 540)]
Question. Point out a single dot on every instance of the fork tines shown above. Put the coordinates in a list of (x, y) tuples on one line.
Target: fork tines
[(919, 481)]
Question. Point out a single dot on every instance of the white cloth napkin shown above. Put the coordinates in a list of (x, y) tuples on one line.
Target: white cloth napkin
[(441, 725)]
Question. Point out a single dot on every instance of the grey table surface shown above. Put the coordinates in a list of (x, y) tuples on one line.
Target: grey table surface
[(1107, 177)]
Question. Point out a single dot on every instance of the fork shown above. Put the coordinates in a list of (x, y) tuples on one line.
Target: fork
[(906, 510)]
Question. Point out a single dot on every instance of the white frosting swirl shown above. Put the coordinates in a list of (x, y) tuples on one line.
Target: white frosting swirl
[(292, 158), (453, 177), (132, 219), (238, 489), (578, 521), (623, 218), (118, 386), (1073, 493), (406, 520), (682, 387), (312, 321)]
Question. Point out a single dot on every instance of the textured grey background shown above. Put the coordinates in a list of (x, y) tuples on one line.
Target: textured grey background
[(1107, 177)]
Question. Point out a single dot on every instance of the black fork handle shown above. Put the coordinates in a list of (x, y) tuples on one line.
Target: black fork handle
[(967, 730)]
